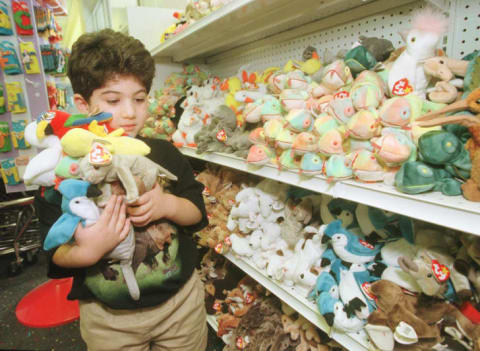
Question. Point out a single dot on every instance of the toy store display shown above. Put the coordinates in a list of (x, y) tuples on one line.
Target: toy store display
[(404, 282), (166, 106), (22, 97), (251, 318), (403, 116), (354, 117), (194, 11)]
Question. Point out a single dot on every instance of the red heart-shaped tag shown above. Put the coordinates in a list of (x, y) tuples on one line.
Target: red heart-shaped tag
[(99, 155), (441, 272), (402, 87), (222, 135)]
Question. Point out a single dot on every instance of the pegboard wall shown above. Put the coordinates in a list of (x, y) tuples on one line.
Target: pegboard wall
[(464, 34), (464, 31)]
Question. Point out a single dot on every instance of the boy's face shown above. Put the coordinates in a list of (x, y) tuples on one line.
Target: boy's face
[(123, 96)]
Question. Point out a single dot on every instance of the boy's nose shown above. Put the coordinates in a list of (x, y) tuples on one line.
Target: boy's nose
[(128, 111)]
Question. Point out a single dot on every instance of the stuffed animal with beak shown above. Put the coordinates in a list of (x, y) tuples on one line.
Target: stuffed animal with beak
[(77, 206)]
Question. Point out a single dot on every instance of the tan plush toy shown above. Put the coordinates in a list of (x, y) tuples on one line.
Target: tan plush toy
[(99, 166)]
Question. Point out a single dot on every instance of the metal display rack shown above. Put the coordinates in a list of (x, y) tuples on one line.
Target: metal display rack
[(452, 212), (259, 34)]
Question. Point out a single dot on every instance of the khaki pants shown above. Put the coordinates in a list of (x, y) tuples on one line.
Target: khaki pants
[(178, 324)]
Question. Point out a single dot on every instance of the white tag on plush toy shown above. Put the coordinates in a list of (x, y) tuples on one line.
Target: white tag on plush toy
[(99, 155), (441, 272)]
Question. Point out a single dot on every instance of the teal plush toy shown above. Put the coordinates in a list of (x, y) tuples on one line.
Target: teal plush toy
[(442, 148), (380, 225), (348, 246), (77, 206), (333, 209), (359, 59), (415, 177)]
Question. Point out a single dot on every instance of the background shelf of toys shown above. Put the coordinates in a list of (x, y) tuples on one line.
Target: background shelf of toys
[(54, 57), (456, 213), (23, 85), (244, 43)]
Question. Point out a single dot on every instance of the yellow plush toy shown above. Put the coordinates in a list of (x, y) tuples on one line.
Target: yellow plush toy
[(77, 143)]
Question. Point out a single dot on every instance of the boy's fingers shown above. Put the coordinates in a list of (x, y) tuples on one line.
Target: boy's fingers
[(107, 212), (141, 200), (140, 221), (121, 216), (137, 210), (116, 210), (125, 230)]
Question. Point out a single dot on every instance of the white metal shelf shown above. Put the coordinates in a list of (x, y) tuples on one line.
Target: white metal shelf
[(296, 299), (449, 211), (212, 321), (242, 22)]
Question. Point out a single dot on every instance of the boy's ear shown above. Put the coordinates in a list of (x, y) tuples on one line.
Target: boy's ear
[(80, 103)]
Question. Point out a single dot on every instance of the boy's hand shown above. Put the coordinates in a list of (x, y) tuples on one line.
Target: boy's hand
[(150, 206), (111, 229)]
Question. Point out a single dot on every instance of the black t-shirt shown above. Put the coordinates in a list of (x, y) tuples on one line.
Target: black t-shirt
[(160, 274)]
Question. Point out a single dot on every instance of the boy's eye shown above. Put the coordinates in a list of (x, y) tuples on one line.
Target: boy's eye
[(112, 102), (140, 100)]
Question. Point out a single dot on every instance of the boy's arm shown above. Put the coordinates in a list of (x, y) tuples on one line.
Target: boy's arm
[(93, 242)]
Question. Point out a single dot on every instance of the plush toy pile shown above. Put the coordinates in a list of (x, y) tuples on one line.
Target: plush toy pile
[(87, 163), (221, 188), (359, 116), (162, 107), (251, 319), (349, 258), (194, 10)]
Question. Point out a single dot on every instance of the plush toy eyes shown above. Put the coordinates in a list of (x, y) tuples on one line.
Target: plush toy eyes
[(405, 113), (96, 167), (429, 275), (413, 40)]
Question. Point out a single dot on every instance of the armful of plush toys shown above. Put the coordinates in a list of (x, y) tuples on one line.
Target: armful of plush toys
[(87, 164)]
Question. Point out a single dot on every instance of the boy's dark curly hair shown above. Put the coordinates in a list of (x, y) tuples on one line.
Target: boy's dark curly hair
[(98, 57)]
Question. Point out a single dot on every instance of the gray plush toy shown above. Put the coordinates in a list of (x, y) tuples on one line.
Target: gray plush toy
[(379, 48), (213, 137)]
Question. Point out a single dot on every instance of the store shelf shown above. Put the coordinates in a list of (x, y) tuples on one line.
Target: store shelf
[(249, 21), (449, 211), (296, 299)]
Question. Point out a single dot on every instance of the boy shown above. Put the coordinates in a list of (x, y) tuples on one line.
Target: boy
[(114, 72)]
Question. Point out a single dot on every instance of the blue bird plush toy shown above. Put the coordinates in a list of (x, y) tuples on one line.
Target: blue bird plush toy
[(325, 282), (77, 206), (348, 246), (332, 309), (379, 225)]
